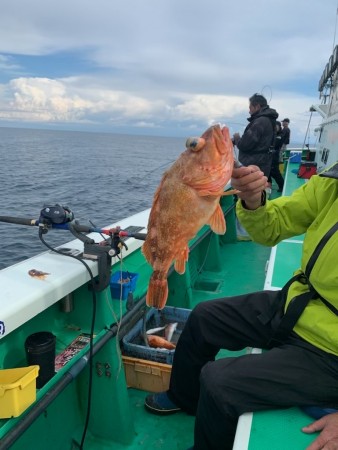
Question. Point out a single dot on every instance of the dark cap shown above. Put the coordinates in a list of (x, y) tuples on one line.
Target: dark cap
[(286, 120)]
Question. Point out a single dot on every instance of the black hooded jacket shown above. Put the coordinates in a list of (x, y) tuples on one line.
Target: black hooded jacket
[(259, 135), (258, 138)]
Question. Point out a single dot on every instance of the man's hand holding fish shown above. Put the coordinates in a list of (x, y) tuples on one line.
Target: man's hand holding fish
[(251, 183)]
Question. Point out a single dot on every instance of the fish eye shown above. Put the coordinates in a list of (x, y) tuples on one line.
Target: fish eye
[(195, 143)]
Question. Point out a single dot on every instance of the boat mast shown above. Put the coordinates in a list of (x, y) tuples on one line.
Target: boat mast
[(335, 29)]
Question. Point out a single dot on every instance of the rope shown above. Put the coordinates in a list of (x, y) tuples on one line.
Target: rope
[(308, 126)]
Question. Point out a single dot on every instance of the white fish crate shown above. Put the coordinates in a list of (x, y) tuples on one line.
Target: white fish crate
[(133, 342)]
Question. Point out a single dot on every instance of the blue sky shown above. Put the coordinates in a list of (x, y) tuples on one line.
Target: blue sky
[(161, 67)]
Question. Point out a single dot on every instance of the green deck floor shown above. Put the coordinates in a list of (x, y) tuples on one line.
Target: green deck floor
[(244, 271), (153, 432), (245, 262)]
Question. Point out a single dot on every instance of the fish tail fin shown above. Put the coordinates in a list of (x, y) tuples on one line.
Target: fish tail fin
[(157, 292)]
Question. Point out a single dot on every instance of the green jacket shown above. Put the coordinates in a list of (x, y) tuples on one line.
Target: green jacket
[(311, 209)]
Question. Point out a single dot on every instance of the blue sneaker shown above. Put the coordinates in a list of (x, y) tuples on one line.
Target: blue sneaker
[(160, 403)]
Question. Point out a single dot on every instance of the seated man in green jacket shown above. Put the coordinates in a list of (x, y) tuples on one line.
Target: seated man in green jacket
[(298, 324)]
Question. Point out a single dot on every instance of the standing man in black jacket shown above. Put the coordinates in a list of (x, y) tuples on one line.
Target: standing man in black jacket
[(285, 133), (275, 172), (256, 144)]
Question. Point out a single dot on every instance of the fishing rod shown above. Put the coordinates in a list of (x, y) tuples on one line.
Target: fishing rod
[(62, 218)]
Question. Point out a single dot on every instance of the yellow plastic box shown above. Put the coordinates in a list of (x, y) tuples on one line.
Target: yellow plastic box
[(146, 375), (17, 390)]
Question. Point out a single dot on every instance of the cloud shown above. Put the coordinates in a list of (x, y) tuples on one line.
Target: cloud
[(61, 100), (7, 63), (43, 100), (168, 67)]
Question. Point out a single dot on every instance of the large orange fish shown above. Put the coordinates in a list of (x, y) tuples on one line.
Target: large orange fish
[(186, 199)]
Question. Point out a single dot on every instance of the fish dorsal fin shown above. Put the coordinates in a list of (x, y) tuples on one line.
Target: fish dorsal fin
[(217, 221)]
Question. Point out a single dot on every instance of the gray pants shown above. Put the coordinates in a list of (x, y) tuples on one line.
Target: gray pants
[(218, 392)]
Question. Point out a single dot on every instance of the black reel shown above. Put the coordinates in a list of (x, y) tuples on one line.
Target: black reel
[(55, 214)]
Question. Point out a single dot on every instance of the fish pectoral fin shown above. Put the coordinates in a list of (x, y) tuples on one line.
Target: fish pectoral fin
[(181, 260), (217, 221), (157, 293)]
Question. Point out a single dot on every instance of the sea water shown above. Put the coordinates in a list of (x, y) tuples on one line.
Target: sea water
[(101, 177)]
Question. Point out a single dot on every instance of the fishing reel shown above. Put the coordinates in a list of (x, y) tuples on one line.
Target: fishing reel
[(54, 215)]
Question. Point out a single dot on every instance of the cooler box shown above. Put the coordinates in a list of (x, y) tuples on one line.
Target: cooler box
[(17, 390), (295, 157), (128, 281), (133, 342)]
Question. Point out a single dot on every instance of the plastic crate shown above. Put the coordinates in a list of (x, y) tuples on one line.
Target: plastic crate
[(133, 342), (17, 390), (127, 286), (146, 375)]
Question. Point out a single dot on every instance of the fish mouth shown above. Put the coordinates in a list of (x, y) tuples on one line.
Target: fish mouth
[(223, 129), (221, 136)]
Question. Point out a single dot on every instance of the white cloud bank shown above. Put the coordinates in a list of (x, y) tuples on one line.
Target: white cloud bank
[(169, 66)]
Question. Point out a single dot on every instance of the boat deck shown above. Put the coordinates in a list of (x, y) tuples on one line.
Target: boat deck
[(176, 431), (218, 266)]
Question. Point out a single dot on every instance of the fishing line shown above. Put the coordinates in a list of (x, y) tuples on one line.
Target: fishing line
[(92, 329), (94, 226), (235, 123), (118, 325), (199, 271), (205, 257), (157, 168), (262, 92), (118, 321)]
